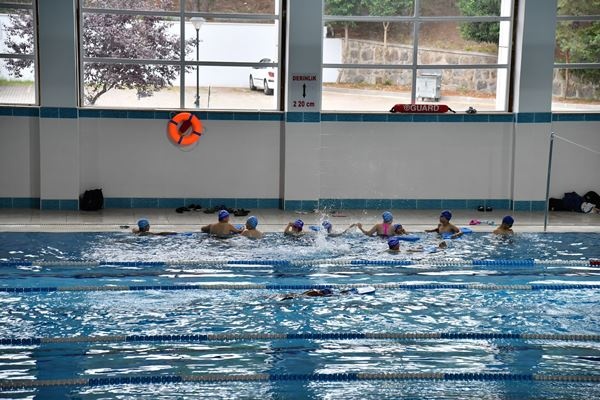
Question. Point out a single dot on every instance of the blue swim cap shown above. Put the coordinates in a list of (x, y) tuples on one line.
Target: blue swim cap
[(223, 214), (508, 220), (387, 216), (446, 214), (143, 223), (299, 224), (327, 225), (397, 226), (326, 292), (393, 242), (252, 222)]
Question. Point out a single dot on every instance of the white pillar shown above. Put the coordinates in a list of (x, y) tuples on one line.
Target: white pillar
[(59, 127)]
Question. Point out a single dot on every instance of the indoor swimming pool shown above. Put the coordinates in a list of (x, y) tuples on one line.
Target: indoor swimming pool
[(113, 315)]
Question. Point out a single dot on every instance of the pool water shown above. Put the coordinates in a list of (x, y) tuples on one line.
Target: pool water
[(234, 299)]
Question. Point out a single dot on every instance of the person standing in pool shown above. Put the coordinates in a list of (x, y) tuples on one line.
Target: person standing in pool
[(223, 228), (446, 227), (251, 232), (505, 227), (384, 229)]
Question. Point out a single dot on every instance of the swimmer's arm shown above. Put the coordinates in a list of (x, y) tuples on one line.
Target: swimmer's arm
[(233, 229), (457, 232), (369, 232), (347, 229), (165, 233), (437, 230), (205, 229), (288, 229)]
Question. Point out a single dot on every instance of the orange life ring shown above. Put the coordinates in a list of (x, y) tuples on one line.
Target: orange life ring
[(185, 129)]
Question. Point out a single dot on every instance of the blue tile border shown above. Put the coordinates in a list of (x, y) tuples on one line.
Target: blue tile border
[(149, 202), (59, 204), (310, 117)]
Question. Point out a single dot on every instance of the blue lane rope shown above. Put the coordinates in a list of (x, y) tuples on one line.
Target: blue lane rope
[(14, 384), (299, 263), (251, 286), (219, 337)]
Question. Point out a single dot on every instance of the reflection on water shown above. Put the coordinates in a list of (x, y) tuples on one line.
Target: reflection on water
[(80, 313)]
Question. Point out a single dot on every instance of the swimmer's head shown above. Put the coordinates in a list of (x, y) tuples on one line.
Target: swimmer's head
[(143, 225), (394, 243), (251, 222), (327, 225), (443, 245), (387, 217), (298, 224), (508, 221), (223, 215), (447, 215), (397, 228), (326, 292)]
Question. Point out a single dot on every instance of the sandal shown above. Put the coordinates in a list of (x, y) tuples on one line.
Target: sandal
[(240, 212), (481, 208), (195, 207), (180, 210)]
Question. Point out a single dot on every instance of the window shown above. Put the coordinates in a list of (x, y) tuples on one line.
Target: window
[(17, 52), (576, 83), (378, 52), (203, 54)]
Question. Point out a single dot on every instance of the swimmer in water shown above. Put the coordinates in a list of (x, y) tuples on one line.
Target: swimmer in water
[(295, 228), (222, 229), (251, 232), (143, 229), (328, 226), (383, 229), (446, 227), (506, 227)]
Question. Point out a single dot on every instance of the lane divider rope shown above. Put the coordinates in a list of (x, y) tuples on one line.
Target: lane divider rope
[(295, 263), (301, 336), (253, 286), (14, 384)]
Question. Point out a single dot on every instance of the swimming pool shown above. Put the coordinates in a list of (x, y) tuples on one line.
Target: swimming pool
[(96, 315)]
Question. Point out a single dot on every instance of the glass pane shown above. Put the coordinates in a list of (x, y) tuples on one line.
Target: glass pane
[(263, 35), (458, 43), (138, 5), (19, 2), (17, 81), (233, 7), (16, 31), (131, 85), (576, 90), (131, 36), (482, 89), (454, 8), (357, 89), (578, 7), (577, 42), (368, 43), (374, 8), (238, 88)]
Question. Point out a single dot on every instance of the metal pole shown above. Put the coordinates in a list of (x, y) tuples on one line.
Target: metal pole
[(548, 180), (197, 102)]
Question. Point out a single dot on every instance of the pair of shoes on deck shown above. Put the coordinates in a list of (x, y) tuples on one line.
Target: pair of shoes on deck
[(482, 208), (220, 207), (191, 207)]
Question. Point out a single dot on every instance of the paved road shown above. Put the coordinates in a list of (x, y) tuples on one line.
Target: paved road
[(223, 98)]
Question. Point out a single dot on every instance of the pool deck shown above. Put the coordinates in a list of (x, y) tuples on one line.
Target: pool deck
[(274, 220)]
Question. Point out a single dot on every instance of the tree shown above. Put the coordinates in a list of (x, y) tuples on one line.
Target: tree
[(124, 36), (343, 8), (387, 8), (579, 41), (486, 32)]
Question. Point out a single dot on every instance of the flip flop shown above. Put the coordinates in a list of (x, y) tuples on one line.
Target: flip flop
[(481, 208), (180, 210), (240, 212), (474, 222)]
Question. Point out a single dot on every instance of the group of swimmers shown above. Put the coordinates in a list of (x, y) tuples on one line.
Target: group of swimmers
[(223, 228)]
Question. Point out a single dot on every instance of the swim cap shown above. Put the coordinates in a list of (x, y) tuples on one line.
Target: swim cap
[(143, 223), (393, 242), (327, 225), (298, 224), (397, 226), (223, 214), (252, 222), (387, 216), (446, 214), (508, 220)]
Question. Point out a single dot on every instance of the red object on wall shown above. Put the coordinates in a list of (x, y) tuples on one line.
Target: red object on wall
[(421, 108)]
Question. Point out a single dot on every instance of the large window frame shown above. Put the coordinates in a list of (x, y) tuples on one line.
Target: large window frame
[(578, 65), (32, 57), (417, 19), (182, 63)]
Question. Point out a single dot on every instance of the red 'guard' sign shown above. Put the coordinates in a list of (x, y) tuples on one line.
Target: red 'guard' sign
[(421, 108)]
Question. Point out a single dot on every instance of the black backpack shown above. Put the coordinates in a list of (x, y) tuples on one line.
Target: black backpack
[(91, 200)]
